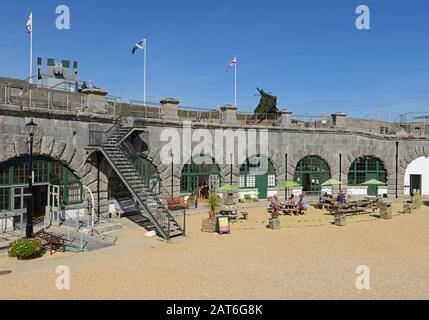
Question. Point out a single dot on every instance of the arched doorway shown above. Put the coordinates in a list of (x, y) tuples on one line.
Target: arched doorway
[(200, 176), (47, 172), (364, 169), (416, 180), (148, 172), (254, 174), (311, 172)]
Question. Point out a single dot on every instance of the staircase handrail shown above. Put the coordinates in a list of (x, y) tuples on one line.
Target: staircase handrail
[(99, 137), (151, 189)]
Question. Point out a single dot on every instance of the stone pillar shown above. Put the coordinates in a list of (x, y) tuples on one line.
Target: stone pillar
[(229, 114), (96, 100), (169, 109), (285, 119), (339, 120)]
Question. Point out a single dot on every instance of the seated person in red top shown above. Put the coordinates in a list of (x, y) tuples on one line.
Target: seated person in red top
[(275, 204), (291, 199)]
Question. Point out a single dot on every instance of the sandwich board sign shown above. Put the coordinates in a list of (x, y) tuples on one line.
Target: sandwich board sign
[(223, 225)]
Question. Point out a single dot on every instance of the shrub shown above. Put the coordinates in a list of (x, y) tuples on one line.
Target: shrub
[(26, 249)]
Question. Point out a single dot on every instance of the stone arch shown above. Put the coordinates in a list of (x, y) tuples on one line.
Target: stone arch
[(372, 151), (70, 155), (313, 184), (407, 155), (201, 177), (359, 175), (331, 159), (48, 171)]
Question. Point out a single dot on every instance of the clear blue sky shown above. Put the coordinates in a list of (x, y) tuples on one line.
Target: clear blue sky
[(307, 52)]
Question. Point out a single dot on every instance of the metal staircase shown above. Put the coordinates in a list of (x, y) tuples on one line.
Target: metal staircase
[(153, 213)]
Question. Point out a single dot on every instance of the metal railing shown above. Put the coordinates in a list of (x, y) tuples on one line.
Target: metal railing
[(98, 136), (415, 124)]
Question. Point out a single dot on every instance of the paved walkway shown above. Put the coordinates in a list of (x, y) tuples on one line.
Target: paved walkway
[(309, 258)]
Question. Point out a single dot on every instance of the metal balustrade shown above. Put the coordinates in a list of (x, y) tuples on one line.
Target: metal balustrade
[(39, 97)]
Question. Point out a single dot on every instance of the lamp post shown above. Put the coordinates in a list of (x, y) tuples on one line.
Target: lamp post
[(31, 129)]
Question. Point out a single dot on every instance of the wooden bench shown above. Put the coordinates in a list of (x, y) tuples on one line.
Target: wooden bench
[(177, 203), (53, 241)]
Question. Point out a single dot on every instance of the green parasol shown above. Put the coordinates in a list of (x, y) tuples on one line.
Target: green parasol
[(288, 184), (373, 182), (228, 187), (331, 182)]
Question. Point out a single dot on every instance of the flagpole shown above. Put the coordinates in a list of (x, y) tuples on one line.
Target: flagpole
[(31, 50), (145, 71), (235, 83)]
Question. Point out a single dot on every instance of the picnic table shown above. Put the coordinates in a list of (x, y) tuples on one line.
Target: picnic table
[(177, 203), (54, 242), (352, 208), (289, 208)]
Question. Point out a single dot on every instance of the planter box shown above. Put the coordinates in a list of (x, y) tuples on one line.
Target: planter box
[(274, 224), (386, 215), (208, 226), (340, 220)]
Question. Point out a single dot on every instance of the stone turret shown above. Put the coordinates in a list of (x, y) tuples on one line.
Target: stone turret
[(170, 109), (229, 114)]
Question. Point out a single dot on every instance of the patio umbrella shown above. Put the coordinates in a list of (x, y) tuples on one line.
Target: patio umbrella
[(331, 182), (288, 184), (373, 182), (228, 187)]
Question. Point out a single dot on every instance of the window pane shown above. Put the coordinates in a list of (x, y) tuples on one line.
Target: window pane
[(4, 199), (74, 191), (21, 173), (4, 176), (242, 183), (271, 180), (251, 181)]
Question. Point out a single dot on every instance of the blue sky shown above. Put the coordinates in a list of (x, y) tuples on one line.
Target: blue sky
[(307, 52)]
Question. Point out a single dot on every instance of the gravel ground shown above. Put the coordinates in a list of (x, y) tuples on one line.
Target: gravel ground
[(309, 258)]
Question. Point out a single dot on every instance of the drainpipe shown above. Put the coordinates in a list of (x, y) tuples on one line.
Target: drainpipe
[(286, 195), (98, 184), (341, 171), (231, 169), (397, 167)]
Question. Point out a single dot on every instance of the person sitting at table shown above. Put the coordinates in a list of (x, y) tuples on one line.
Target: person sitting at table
[(341, 198), (291, 199), (275, 204), (322, 201), (302, 204), (329, 199)]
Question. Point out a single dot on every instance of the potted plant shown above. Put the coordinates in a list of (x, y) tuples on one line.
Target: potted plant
[(209, 225), (340, 219), (274, 222), (26, 249), (385, 211)]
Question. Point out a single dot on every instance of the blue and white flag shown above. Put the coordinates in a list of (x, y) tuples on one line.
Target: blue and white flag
[(138, 45)]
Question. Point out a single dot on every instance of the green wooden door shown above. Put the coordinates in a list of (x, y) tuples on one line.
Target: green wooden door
[(262, 185)]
